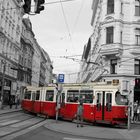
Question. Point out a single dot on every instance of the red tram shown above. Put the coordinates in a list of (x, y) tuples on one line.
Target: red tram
[(102, 102)]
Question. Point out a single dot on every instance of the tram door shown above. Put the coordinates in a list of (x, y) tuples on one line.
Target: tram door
[(33, 101), (103, 106)]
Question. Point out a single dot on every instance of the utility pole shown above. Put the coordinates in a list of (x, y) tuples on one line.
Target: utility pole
[(2, 85), (129, 117), (59, 90)]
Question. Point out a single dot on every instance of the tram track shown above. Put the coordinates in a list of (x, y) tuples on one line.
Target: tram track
[(5, 116), (25, 129), (15, 122), (10, 112)]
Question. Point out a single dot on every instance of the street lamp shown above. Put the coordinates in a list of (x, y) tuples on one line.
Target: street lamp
[(2, 85)]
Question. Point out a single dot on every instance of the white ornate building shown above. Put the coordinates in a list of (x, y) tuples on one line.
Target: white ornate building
[(113, 50)]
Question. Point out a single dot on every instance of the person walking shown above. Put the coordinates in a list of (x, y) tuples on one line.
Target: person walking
[(135, 111), (11, 102), (80, 110), (16, 101), (138, 112)]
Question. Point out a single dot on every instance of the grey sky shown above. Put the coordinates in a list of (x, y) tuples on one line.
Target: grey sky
[(63, 38)]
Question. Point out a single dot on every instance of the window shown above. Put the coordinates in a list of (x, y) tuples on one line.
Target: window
[(137, 36), (137, 67), (27, 95), (113, 69), (49, 95), (109, 35), (121, 99), (33, 95), (110, 6), (37, 95), (121, 37), (98, 102), (88, 94), (72, 95), (108, 102), (121, 8), (137, 8)]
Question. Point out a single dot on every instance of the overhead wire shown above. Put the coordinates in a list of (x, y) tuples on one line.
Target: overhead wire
[(78, 16), (66, 23)]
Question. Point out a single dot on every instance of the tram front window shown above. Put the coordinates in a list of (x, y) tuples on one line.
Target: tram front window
[(27, 95), (49, 95), (121, 99)]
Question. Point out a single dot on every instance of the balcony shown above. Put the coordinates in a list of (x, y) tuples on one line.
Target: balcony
[(111, 49), (135, 49)]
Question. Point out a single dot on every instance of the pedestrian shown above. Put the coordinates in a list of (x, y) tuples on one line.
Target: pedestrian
[(138, 112), (80, 110), (11, 102), (16, 101), (135, 111)]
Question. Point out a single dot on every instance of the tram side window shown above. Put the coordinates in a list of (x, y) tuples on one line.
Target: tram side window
[(27, 95), (37, 95), (98, 101), (49, 95), (121, 99), (72, 96), (108, 102), (88, 94), (33, 96)]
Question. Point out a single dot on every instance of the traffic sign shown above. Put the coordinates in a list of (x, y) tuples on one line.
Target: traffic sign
[(61, 78)]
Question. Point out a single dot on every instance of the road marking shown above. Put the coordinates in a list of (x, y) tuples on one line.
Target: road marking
[(74, 139), (21, 124), (9, 122)]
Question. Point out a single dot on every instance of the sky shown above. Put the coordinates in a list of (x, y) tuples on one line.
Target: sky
[(62, 30)]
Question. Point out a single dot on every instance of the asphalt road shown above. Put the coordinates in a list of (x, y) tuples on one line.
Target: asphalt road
[(42, 133)]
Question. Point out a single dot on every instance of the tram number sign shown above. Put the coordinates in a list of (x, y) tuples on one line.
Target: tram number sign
[(61, 78)]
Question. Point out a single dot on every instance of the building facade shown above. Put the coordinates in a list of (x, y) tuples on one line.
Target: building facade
[(24, 69), (11, 15), (114, 51), (20, 54)]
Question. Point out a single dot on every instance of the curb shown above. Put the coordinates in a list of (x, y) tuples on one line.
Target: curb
[(49, 127)]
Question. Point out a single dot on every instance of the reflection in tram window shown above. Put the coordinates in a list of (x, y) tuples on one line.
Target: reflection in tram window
[(108, 102), (98, 101), (72, 95), (49, 95), (37, 95), (121, 99), (88, 95), (27, 95)]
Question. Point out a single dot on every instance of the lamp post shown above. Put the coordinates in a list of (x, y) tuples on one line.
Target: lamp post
[(2, 85)]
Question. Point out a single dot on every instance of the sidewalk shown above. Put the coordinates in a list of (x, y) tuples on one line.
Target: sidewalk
[(7, 109), (101, 132)]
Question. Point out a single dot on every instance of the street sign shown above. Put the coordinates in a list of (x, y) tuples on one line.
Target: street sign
[(61, 78)]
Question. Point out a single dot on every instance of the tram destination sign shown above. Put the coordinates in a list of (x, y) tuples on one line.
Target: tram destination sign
[(61, 78)]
